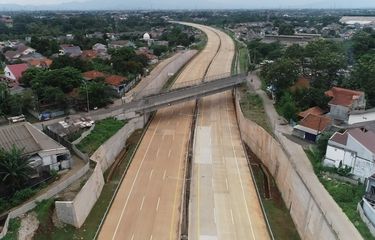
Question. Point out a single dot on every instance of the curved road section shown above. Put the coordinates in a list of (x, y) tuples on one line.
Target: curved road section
[(148, 203), (223, 200)]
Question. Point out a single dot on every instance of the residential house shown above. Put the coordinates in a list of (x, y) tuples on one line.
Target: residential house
[(20, 50), (40, 63), (43, 152), (151, 57), (91, 75), (354, 148), (99, 48), (311, 126), (88, 54), (14, 72), (343, 102), (7, 21), (70, 50), (121, 44), (117, 83), (313, 110), (161, 43)]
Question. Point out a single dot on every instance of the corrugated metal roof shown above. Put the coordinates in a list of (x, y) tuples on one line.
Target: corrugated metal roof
[(19, 136)]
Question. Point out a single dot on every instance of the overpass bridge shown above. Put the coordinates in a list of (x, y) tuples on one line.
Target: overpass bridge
[(187, 91)]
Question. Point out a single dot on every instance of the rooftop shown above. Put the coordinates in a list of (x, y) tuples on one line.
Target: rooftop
[(343, 96), (362, 135), (93, 75), (315, 122), (25, 136), (18, 69), (115, 80), (313, 110)]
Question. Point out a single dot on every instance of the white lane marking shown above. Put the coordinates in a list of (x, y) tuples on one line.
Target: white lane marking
[(169, 153), (157, 205), (215, 215), (151, 237), (231, 214), (143, 200), (226, 183), (152, 171), (157, 152), (165, 173), (132, 237), (135, 179), (238, 171)]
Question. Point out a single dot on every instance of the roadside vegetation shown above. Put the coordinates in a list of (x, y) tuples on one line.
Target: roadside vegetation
[(14, 226), (280, 221), (103, 130), (253, 109), (346, 195)]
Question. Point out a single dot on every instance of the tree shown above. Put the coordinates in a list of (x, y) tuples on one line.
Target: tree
[(288, 107), (286, 29), (14, 168), (281, 74), (95, 89), (322, 143), (363, 77), (363, 42)]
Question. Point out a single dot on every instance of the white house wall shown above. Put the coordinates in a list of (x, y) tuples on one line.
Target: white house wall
[(360, 118), (363, 168), (361, 151), (9, 74), (334, 156)]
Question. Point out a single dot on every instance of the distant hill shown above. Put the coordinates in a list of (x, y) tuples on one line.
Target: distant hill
[(192, 4)]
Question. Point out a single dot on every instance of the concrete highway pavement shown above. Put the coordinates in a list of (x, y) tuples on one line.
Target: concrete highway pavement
[(148, 203), (223, 200)]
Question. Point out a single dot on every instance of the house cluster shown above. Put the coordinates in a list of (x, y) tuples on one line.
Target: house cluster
[(6, 20), (353, 143), (21, 57)]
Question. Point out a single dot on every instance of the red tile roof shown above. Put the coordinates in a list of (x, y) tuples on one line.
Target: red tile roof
[(40, 62), (314, 110), (18, 69), (318, 123), (88, 54), (342, 96), (115, 80), (340, 138), (93, 74), (301, 83)]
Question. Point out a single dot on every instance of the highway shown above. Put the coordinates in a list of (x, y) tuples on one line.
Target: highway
[(223, 200), (148, 203)]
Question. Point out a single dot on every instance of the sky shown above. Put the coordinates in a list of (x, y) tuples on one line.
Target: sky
[(223, 3)]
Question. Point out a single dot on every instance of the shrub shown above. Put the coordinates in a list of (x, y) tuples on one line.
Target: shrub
[(22, 195)]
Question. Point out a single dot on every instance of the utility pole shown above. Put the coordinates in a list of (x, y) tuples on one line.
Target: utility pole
[(87, 96)]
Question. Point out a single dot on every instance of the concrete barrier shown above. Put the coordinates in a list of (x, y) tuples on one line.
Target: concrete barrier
[(75, 212), (314, 212), (106, 154)]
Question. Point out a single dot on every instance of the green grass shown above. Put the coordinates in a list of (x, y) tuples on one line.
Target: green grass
[(347, 196), (89, 228), (103, 130), (253, 109), (280, 221), (14, 225), (243, 58)]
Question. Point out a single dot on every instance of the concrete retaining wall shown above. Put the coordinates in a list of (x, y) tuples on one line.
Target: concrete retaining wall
[(313, 210), (75, 212), (107, 153)]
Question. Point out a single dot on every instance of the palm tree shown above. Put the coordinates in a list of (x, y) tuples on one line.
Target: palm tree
[(14, 168)]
